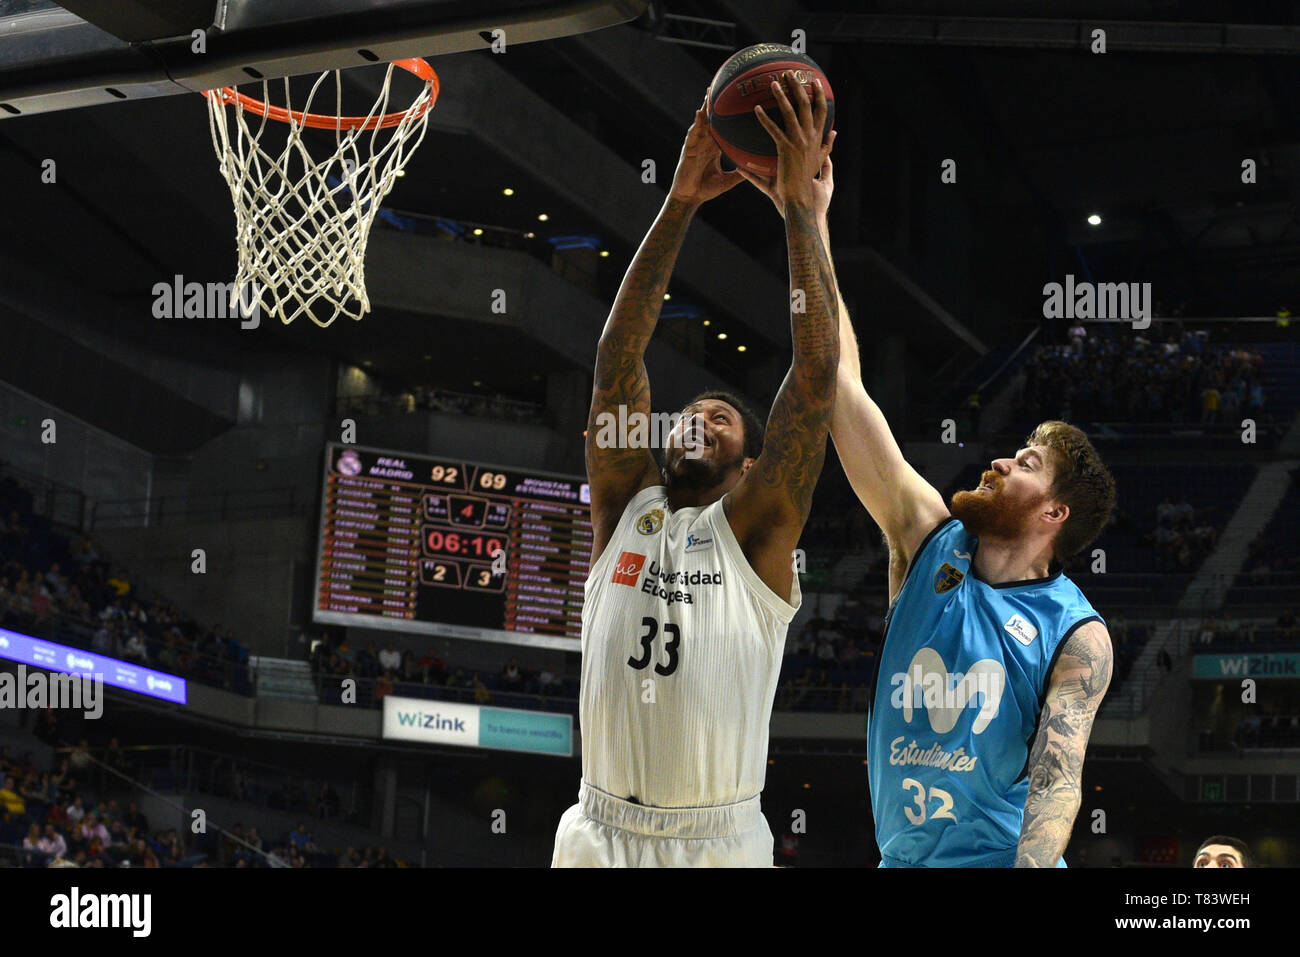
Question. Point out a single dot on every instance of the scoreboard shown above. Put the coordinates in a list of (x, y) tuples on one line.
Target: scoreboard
[(453, 548)]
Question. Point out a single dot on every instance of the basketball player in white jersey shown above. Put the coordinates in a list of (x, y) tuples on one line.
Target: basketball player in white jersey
[(692, 585)]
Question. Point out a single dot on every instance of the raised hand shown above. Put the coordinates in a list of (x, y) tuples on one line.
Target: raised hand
[(699, 176), (825, 182), (801, 154)]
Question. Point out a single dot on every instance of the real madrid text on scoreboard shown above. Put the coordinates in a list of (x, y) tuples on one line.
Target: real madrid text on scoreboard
[(447, 547)]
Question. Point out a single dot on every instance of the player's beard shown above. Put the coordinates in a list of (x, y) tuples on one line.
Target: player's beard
[(989, 515), (698, 474)]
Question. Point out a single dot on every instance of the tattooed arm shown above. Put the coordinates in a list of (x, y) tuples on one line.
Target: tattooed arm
[(1076, 688), (769, 506), (898, 498), (616, 474)]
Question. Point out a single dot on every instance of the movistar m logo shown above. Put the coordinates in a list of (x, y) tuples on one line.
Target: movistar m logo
[(927, 683), (419, 719)]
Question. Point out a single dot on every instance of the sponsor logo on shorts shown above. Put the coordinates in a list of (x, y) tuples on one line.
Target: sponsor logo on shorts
[(628, 568)]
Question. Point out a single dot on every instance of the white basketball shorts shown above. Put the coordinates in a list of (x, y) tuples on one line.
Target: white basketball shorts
[(604, 831)]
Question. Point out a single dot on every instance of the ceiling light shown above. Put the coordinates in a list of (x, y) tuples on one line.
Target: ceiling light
[(740, 348), (507, 192), (478, 231), (542, 217), (1094, 220), (604, 253), (708, 322), (667, 296), (722, 335)]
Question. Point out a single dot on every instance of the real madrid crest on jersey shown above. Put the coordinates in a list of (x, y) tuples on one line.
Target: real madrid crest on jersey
[(650, 522), (947, 578)]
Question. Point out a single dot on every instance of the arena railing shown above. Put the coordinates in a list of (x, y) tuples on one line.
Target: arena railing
[(789, 697), (329, 689), (199, 507), (441, 400), (949, 391), (203, 770), (61, 504), (239, 677), (1128, 699)]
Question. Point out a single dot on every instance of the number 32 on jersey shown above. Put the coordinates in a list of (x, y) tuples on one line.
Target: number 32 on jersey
[(917, 816)]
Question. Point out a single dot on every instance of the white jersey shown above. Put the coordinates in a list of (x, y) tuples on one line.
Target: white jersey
[(673, 601)]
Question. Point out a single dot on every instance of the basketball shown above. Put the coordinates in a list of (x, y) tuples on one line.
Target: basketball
[(744, 82)]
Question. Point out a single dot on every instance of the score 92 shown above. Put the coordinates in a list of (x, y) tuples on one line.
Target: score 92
[(447, 475)]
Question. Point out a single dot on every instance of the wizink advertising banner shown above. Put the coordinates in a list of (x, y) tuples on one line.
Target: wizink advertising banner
[(1246, 666), (475, 726), (75, 661)]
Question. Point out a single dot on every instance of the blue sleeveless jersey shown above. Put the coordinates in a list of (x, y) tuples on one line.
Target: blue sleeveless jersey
[(958, 689)]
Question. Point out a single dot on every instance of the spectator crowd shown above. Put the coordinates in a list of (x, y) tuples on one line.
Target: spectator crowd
[(1183, 535), (1165, 374), (1270, 559), (1271, 730), (76, 812), (1223, 632), (64, 590), (384, 671)]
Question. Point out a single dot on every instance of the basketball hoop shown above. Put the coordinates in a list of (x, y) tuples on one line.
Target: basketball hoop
[(302, 224)]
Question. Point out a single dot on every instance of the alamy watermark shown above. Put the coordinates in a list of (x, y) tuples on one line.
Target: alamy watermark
[(208, 300), (41, 689), (1120, 301), (648, 430)]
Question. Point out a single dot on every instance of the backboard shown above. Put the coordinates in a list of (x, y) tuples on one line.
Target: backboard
[(56, 56)]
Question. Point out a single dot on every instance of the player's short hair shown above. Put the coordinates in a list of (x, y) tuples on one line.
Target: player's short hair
[(1236, 844), (1080, 481), (753, 425)]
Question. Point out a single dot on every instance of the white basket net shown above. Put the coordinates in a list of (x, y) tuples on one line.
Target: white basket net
[(301, 223)]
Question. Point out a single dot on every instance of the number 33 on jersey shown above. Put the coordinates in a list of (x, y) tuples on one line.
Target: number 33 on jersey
[(681, 649)]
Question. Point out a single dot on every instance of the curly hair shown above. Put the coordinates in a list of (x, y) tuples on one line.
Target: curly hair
[(752, 426), (1080, 481)]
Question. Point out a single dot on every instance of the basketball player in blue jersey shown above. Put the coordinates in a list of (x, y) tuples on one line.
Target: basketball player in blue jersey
[(691, 585), (993, 663)]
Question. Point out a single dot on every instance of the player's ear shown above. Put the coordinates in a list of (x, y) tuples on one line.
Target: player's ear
[(1057, 514), (745, 465)]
